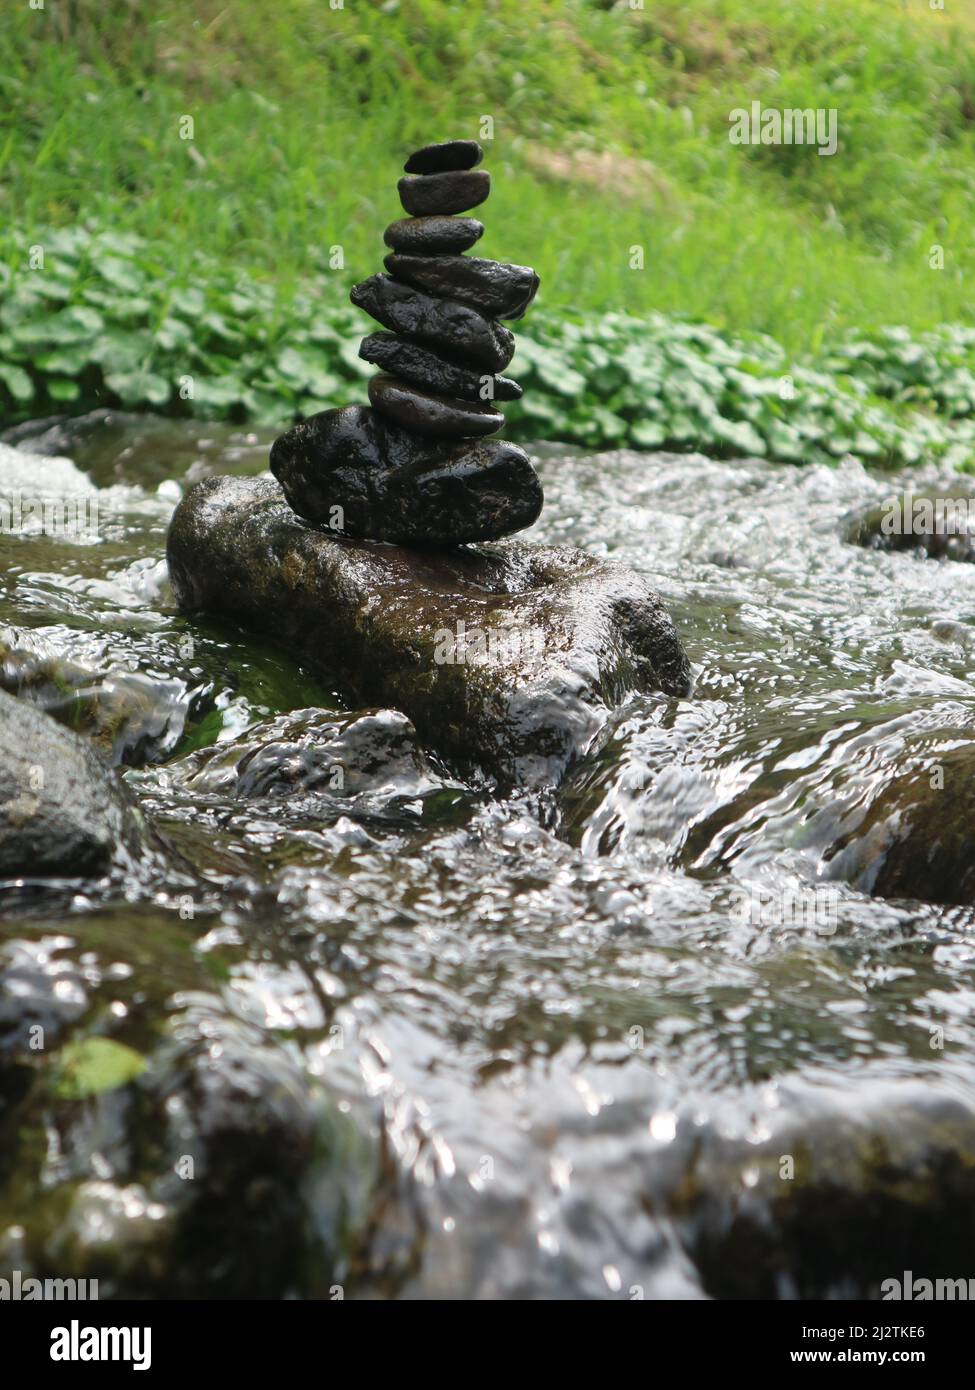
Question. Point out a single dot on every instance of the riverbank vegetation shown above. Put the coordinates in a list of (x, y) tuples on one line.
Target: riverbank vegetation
[(205, 183)]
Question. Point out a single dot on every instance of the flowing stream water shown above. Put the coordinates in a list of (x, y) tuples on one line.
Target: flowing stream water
[(569, 1052)]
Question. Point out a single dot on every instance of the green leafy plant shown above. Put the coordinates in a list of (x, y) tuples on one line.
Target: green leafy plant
[(104, 321), (88, 1066)]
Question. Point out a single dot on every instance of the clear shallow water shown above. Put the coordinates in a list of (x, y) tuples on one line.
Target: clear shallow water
[(575, 1062)]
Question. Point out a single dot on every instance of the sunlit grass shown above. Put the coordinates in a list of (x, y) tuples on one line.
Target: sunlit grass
[(302, 115)]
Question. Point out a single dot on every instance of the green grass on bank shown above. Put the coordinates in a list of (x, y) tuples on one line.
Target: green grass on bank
[(610, 131)]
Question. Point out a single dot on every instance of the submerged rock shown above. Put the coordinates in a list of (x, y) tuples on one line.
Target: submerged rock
[(424, 367), (934, 526), (438, 415), (834, 1192), (371, 754), (242, 1109), (63, 812), (916, 837), (364, 476), (443, 323), (222, 1170), (426, 195), (130, 717), (495, 288), (427, 236), (506, 659)]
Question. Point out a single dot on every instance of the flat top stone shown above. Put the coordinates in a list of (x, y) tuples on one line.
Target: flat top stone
[(447, 155)]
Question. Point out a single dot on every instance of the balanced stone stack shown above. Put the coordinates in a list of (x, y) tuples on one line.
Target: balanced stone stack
[(416, 466)]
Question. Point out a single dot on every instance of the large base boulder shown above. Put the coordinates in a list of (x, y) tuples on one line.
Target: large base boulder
[(505, 657)]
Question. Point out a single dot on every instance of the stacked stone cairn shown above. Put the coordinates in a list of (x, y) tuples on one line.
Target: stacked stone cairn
[(416, 466)]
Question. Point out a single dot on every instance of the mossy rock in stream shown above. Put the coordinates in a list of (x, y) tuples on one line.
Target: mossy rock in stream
[(837, 1203), (507, 658), (916, 837), (131, 718), (937, 527), (63, 811), (214, 1165)]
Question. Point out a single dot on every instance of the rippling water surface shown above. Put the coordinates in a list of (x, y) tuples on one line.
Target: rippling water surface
[(528, 1054)]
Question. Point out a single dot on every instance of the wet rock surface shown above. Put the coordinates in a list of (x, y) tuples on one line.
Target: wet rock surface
[(363, 760), (214, 1168), (570, 634), (496, 289), (366, 477), (427, 236), (129, 717), (444, 324), (63, 812), (429, 369), (437, 195), (775, 1212), (936, 527), (426, 413), (915, 838)]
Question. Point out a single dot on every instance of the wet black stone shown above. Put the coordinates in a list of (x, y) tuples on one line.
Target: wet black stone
[(242, 1107), (911, 837), (442, 323), (424, 367), (495, 288), (362, 476), (424, 195), (440, 416), (441, 158), (430, 236)]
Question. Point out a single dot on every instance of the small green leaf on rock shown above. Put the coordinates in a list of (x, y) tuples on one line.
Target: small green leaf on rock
[(92, 1065)]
